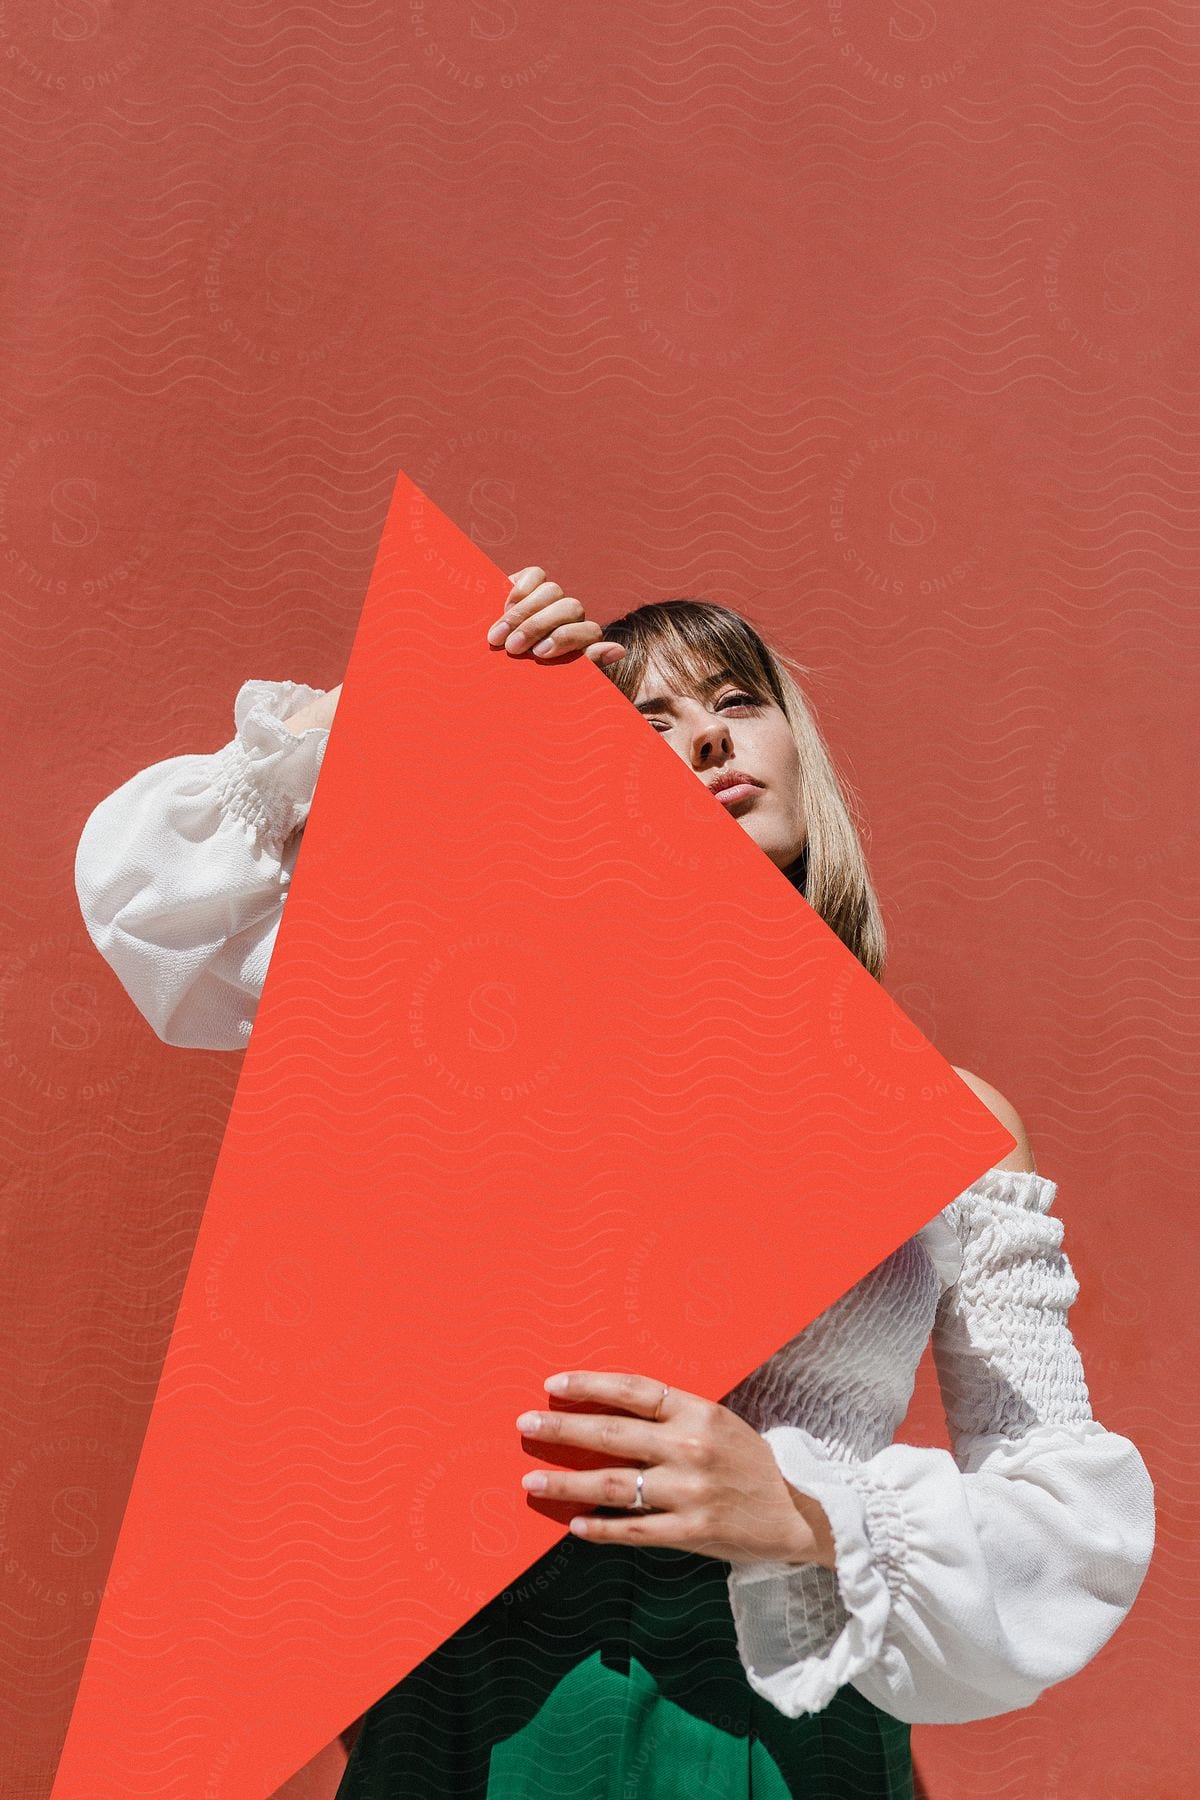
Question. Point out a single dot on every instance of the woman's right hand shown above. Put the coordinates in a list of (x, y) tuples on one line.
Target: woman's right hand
[(539, 618), (537, 614)]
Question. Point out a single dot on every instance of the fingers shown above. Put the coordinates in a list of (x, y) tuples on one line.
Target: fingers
[(525, 580), (594, 1487), (563, 619), (644, 1394), (566, 641), (532, 627), (529, 597), (652, 1528), (606, 654), (604, 1432), (533, 609), (539, 618)]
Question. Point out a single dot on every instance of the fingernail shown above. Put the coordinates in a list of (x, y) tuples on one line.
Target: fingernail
[(543, 647), (610, 657), (497, 632), (534, 1482), (556, 1384), (516, 641)]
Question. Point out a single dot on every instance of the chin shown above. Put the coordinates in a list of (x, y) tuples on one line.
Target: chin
[(767, 849)]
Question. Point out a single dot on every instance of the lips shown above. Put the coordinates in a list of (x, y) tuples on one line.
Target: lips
[(742, 790), (729, 779)]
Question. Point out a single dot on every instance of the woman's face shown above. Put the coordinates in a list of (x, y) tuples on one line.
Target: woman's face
[(727, 731)]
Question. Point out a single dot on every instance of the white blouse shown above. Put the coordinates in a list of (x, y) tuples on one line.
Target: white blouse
[(967, 1582)]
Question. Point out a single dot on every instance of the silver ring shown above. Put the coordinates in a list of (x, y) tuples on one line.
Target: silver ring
[(638, 1503)]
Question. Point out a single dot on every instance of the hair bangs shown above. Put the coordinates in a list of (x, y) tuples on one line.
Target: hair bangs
[(691, 641)]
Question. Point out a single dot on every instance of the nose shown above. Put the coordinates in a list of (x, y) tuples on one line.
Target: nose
[(711, 744)]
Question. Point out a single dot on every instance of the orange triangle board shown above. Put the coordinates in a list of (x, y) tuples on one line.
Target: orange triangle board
[(553, 1069)]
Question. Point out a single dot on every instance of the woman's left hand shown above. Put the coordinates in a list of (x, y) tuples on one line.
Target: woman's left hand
[(711, 1483)]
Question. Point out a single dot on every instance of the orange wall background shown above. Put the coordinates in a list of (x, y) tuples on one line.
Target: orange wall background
[(876, 323)]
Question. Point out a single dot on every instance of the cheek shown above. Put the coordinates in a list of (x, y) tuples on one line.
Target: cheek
[(783, 761)]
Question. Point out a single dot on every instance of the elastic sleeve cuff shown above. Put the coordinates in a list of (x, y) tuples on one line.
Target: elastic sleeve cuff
[(266, 774), (804, 1630)]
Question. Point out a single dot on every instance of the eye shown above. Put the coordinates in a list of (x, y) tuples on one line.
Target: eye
[(737, 698)]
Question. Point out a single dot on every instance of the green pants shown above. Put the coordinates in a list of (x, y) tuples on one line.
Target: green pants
[(608, 1672)]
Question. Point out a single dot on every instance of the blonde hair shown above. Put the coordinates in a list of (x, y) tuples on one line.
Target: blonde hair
[(691, 638)]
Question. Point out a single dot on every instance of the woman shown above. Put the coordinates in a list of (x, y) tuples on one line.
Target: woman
[(768, 1591)]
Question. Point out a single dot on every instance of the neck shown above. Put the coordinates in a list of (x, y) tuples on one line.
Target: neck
[(797, 871)]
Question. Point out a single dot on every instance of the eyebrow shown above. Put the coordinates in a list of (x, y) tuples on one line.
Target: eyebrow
[(660, 703)]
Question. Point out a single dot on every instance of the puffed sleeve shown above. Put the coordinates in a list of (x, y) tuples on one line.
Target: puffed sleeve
[(966, 1583), (181, 873)]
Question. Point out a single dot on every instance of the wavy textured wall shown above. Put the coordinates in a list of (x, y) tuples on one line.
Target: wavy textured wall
[(878, 323)]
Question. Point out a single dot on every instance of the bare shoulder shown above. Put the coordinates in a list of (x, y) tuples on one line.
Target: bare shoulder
[(1022, 1156)]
